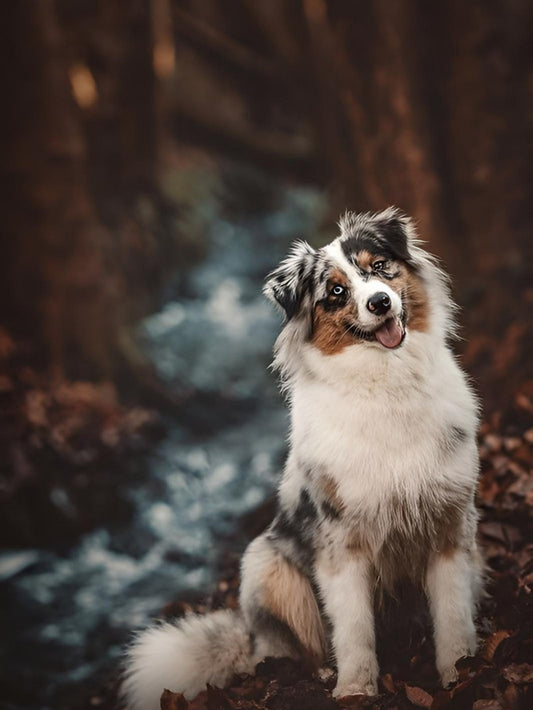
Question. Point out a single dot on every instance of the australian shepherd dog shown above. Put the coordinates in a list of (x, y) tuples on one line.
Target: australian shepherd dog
[(379, 483)]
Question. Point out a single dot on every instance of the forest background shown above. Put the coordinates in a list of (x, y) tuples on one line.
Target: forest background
[(158, 157)]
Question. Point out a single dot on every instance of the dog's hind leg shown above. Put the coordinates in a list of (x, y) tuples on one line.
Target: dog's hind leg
[(279, 605)]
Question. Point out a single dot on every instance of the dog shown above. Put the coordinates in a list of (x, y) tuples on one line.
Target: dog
[(379, 482)]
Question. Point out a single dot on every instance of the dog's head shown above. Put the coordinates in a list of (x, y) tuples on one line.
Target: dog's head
[(368, 287)]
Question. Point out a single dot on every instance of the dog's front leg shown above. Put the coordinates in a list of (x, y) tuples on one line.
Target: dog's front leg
[(346, 589), (451, 580)]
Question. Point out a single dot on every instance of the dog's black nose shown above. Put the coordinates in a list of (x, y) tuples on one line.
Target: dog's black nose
[(379, 303)]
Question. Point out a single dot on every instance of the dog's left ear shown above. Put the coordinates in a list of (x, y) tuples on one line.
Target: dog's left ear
[(292, 280), (397, 230)]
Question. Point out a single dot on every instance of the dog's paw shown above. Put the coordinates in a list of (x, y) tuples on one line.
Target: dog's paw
[(448, 675), (446, 662), (358, 676), (365, 688)]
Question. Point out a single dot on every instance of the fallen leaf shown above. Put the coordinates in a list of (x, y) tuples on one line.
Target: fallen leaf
[(518, 673), (173, 701), (418, 696), (492, 643), (388, 683)]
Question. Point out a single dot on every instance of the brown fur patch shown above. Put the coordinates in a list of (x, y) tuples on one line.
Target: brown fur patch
[(355, 543), (365, 259), (338, 277), (330, 491), (410, 287), (288, 595), (330, 327), (408, 547)]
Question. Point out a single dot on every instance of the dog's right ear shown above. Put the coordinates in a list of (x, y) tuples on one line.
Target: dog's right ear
[(292, 280)]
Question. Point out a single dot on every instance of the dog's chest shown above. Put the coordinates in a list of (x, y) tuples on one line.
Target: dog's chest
[(370, 446)]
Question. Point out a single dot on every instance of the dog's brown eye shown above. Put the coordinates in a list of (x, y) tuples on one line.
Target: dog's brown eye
[(379, 265), (337, 290)]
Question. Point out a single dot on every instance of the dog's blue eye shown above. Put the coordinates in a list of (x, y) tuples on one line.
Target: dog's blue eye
[(378, 265), (337, 290)]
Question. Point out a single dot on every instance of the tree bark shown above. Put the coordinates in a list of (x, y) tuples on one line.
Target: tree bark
[(56, 287)]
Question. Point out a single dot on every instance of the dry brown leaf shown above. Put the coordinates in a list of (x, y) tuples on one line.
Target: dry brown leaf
[(510, 696), (486, 704), (173, 701), (388, 683), (528, 435), (418, 696), (492, 643), (7, 344), (518, 673), (493, 441)]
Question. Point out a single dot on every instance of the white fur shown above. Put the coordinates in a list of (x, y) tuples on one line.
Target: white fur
[(374, 420), (376, 428), (346, 586), (451, 585)]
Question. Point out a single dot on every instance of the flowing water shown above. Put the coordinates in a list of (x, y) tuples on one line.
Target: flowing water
[(70, 613)]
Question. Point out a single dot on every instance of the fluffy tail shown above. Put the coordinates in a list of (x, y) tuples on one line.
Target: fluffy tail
[(184, 656)]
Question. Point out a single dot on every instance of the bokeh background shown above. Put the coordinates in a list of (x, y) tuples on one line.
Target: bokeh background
[(158, 158)]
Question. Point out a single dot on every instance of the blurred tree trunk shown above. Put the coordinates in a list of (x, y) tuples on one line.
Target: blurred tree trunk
[(73, 173), (366, 63), (423, 105), (488, 93), (114, 41), (403, 102), (54, 270)]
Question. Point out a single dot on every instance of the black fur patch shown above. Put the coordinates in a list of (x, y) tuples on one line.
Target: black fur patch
[(393, 232), (330, 511), (453, 438), (386, 238), (305, 511), (293, 279), (459, 434), (292, 531), (266, 624), (289, 300)]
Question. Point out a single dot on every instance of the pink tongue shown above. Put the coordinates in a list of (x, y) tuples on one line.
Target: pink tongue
[(390, 334)]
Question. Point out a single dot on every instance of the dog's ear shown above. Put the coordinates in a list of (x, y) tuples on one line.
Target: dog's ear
[(397, 230), (292, 280)]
